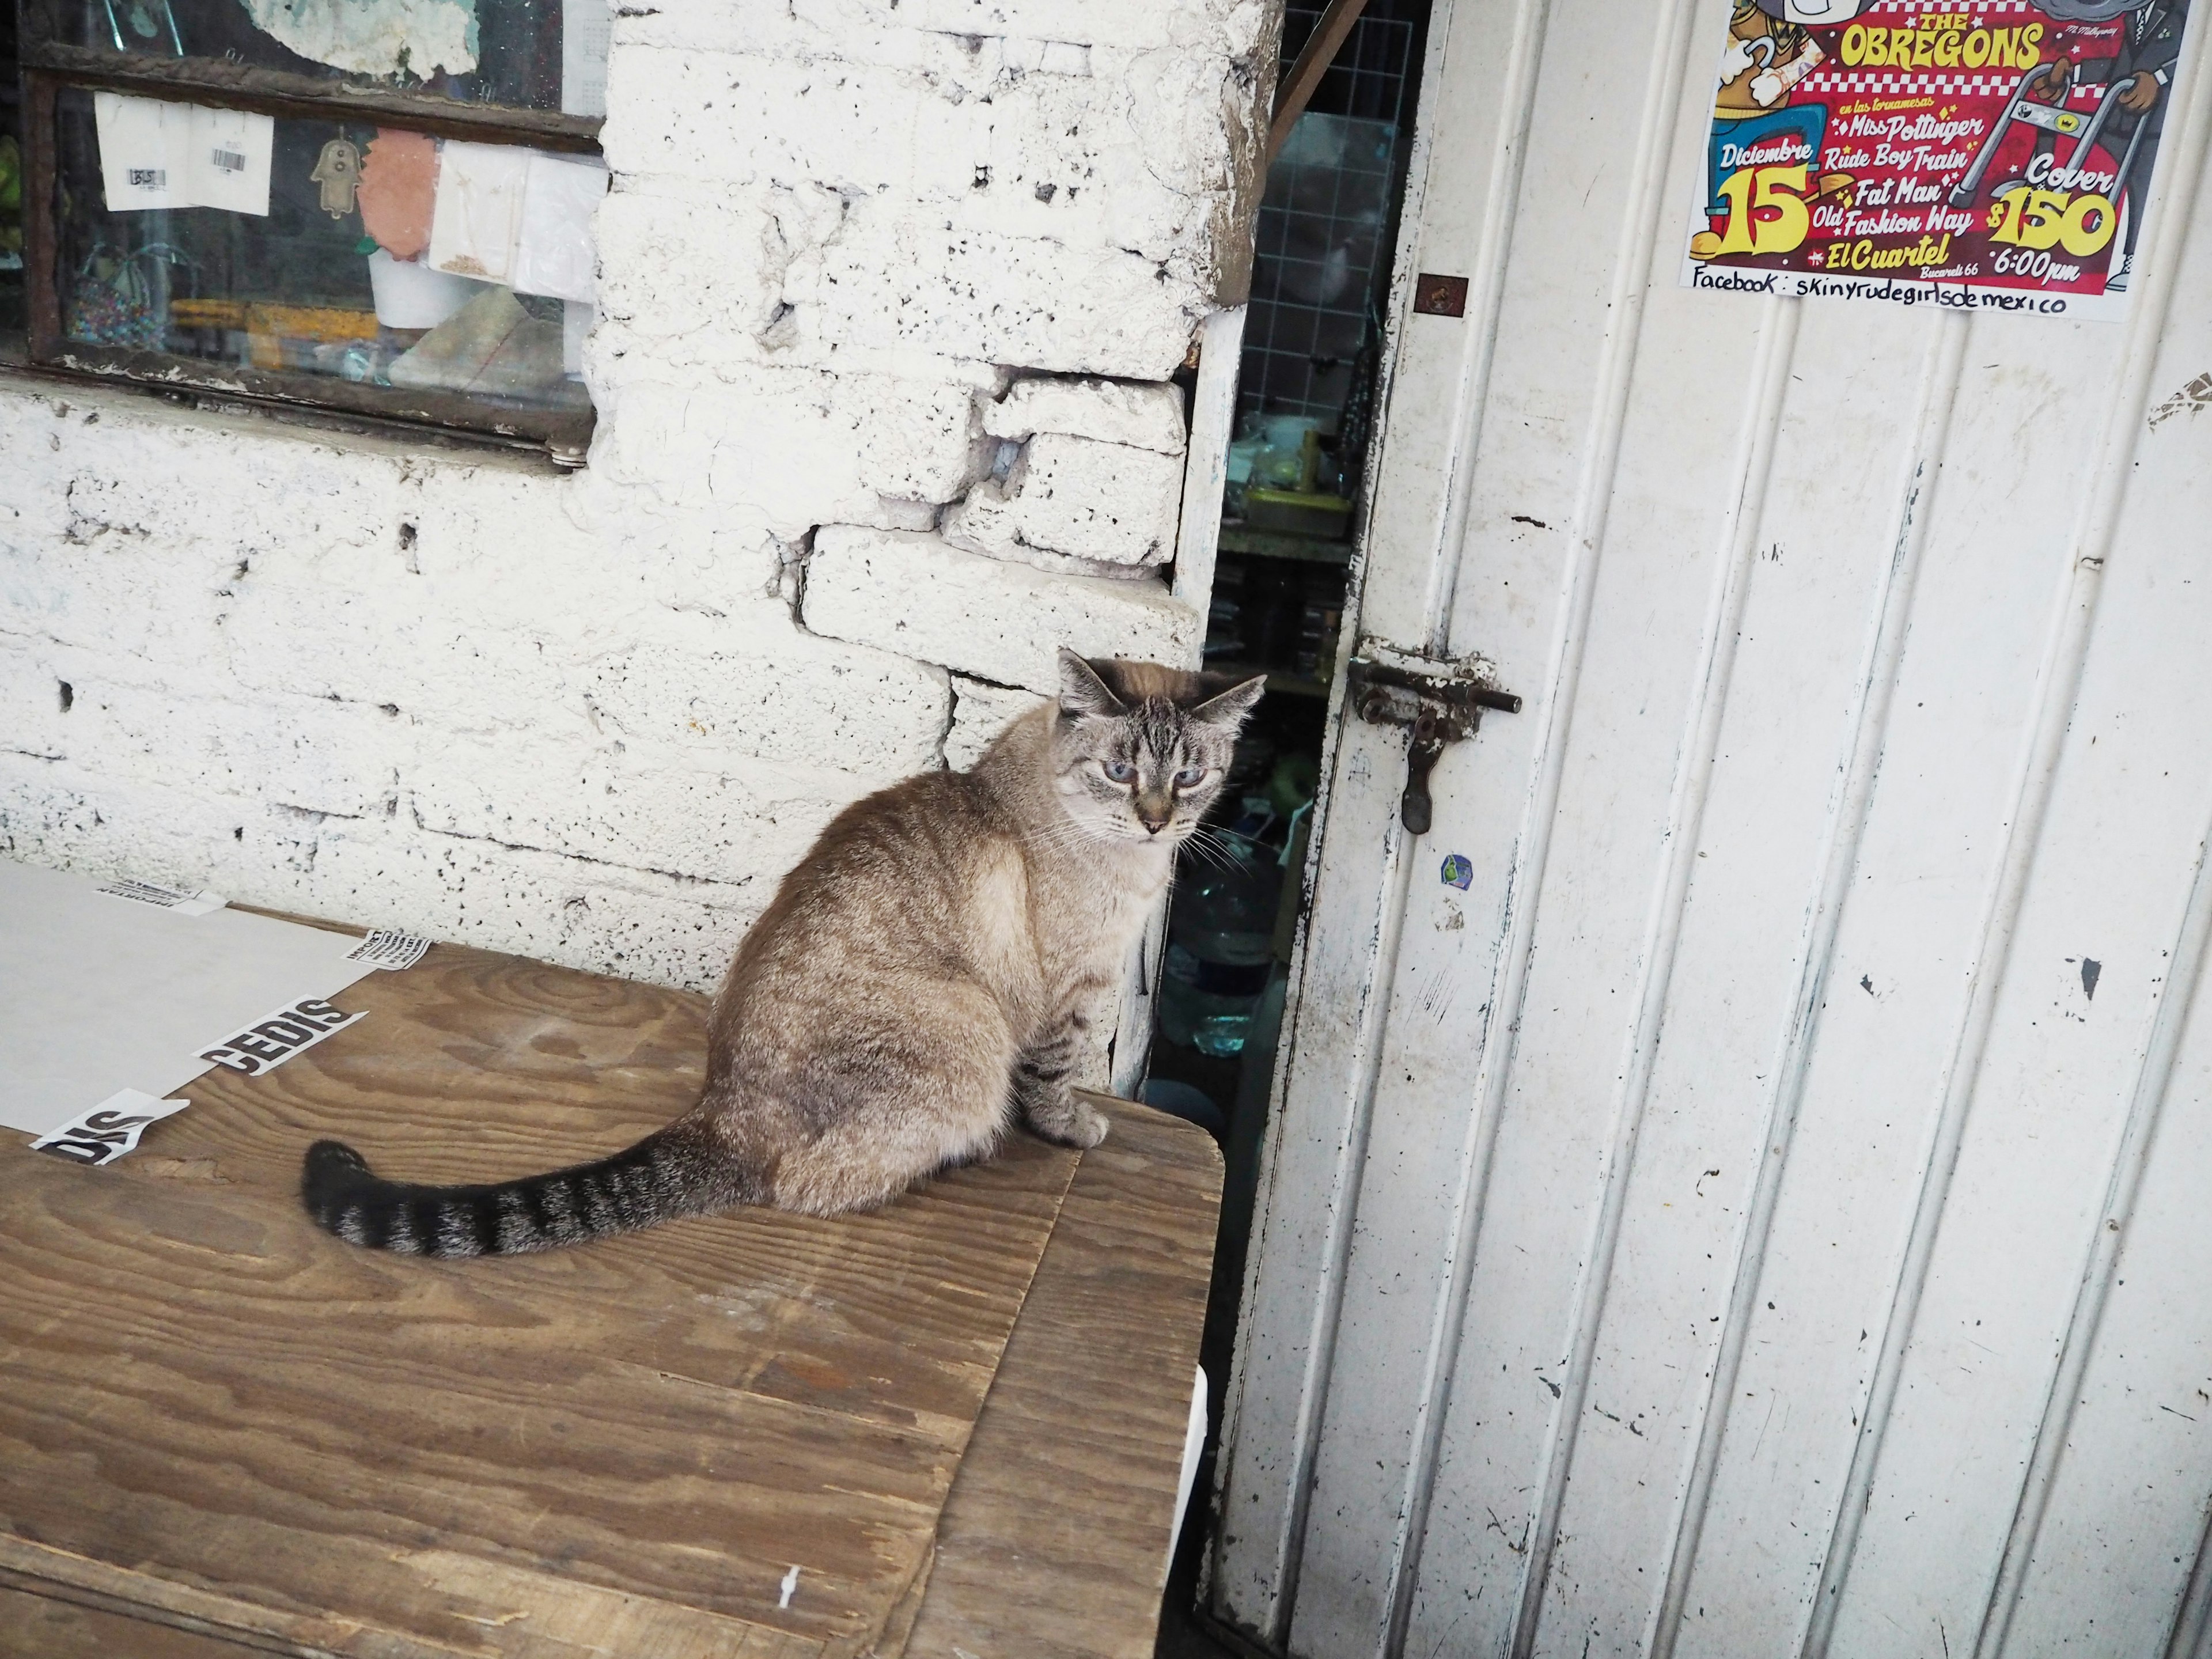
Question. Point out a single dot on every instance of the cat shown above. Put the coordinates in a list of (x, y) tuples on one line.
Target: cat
[(929, 970)]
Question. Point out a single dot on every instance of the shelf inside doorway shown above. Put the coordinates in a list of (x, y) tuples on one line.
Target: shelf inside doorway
[(1280, 683), (1237, 538)]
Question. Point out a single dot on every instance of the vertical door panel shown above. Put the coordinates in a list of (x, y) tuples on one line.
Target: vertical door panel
[(1994, 520), (1815, 568), (2113, 1555), (2111, 875), (1656, 625)]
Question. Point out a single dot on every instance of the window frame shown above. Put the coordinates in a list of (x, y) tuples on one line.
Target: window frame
[(50, 63)]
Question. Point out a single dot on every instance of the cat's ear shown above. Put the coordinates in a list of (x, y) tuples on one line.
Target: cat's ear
[(1227, 709), (1081, 690)]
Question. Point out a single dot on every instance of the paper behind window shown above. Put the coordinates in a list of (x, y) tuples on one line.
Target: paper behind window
[(587, 31), (553, 252), (158, 154), (231, 154), (145, 151), (478, 214)]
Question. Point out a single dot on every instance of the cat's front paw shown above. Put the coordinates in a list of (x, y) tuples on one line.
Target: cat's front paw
[(1078, 1125)]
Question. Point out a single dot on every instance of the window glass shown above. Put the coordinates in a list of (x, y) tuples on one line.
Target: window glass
[(524, 54), (360, 252)]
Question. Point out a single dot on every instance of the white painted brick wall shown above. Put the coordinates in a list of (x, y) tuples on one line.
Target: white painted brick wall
[(853, 245), (1108, 503), (1144, 417), (985, 616), (980, 712)]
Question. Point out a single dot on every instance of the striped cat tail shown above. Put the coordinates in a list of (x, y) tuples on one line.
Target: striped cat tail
[(668, 1173)]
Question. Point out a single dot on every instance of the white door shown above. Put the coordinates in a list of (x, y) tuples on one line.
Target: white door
[(1765, 1211)]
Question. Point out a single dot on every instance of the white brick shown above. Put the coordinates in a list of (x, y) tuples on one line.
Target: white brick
[(679, 259), (1104, 503), (31, 692), (929, 32), (1143, 416), (795, 446), (372, 650), (919, 595), (341, 759), (980, 711), (66, 817), (746, 119), (626, 802), (380, 873), (1079, 159), (885, 283), (599, 916), (1213, 25), (718, 695)]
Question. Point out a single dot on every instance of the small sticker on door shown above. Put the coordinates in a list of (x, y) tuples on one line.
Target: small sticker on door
[(1459, 872)]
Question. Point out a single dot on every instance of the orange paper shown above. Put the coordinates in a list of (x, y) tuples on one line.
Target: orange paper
[(399, 188)]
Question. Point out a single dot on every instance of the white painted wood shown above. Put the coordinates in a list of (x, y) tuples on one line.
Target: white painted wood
[(1206, 461), (1627, 1215), (1133, 1010)]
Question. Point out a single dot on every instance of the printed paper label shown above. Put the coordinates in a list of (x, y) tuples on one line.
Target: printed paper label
[(109, 1129), (386, 948), (158, 154), (268, 1043), (183, 902), (232, 151)]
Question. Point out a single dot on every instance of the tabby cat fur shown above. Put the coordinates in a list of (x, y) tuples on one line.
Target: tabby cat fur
[(928, 972)]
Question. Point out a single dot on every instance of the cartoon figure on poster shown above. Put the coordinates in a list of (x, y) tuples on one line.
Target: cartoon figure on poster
[(1989, 154), (2131, 117), (1754, 119)]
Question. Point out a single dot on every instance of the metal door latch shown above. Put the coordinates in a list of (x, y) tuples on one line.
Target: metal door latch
[(1437, 707)]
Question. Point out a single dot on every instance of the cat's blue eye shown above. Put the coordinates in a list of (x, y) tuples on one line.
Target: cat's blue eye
[(1188, 777), (1120, 771)]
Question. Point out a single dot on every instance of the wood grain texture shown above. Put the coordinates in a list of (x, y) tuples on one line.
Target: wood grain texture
[(220, 1415), (1055, 1542), (62, 1629)]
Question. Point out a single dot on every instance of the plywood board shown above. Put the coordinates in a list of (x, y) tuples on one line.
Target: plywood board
[(217, 1413), (1054, 1544)]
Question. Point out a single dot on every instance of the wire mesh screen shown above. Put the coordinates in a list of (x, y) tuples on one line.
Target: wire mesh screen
[(1324, 223)]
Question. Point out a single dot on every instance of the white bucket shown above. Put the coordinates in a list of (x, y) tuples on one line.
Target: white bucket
[(411, 295)]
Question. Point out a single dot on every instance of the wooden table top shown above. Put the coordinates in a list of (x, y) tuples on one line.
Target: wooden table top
[(960, 1419)]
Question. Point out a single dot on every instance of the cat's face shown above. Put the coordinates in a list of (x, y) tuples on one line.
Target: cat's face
[(1142, 750)]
